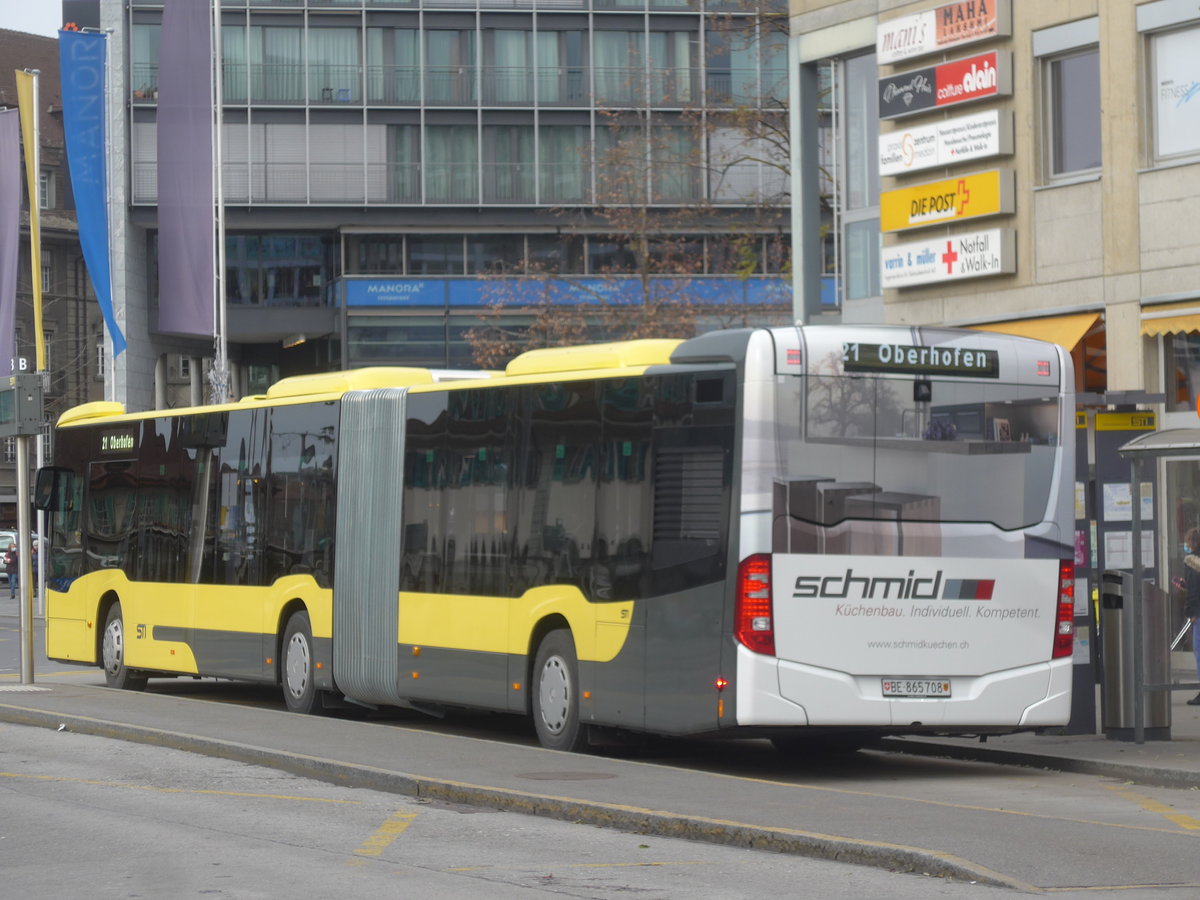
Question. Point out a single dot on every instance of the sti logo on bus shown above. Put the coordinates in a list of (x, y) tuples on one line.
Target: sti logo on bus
[(905, 359), (838, 587)]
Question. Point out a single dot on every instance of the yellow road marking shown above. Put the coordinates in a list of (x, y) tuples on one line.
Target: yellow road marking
[(925, 801), (160, 790), (1149, 804), (385, 834), (629, 865)]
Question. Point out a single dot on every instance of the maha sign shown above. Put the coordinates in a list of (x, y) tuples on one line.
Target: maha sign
[(975, 254), (958, 81), (938, 29)]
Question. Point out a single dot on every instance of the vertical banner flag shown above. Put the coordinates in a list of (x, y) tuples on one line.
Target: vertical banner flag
[(185, 162), (10, 232), (27, 104), (82, 57)]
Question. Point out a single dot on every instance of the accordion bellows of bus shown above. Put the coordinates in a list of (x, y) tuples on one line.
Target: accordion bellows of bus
[(800, 534)]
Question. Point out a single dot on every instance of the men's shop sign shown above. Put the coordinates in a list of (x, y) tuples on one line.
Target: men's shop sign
[(938, 29), (979, 77), (944, 202), (976, 254), (945, 143)]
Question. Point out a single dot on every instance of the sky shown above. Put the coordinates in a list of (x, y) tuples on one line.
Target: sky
[(34, 16)]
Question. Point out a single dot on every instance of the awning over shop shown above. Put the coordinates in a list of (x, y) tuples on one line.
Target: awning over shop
[(1171, 318), (1066, 331)]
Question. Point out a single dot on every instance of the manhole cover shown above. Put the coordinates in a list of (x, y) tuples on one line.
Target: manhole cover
[(565, 776)]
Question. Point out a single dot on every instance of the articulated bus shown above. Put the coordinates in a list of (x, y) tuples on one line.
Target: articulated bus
[(790, 533)]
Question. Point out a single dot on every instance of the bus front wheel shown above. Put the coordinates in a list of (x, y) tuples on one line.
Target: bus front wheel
[(298, 667), (112, 654), (556, 694)]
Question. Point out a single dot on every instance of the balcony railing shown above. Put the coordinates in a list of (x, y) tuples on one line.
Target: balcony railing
[(561, 86), (550, 184)]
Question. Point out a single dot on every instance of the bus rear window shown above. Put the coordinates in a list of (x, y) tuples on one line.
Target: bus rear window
[(918, 449)]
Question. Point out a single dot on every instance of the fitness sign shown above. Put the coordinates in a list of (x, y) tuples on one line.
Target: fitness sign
[(981, 77)]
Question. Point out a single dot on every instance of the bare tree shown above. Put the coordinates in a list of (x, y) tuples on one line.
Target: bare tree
[(675, 195)]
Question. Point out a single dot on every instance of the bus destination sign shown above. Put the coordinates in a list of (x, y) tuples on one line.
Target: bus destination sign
[(904, 359), (120, 443)]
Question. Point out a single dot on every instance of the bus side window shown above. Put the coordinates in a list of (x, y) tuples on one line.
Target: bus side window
[(54, 491)]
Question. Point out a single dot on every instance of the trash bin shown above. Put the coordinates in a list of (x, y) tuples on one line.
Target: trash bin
[(1117, 689)]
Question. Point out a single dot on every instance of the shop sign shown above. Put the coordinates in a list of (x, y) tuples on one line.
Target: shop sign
[(976, 254), (946, 143), (945, 202), (941, 28), (979, 77)]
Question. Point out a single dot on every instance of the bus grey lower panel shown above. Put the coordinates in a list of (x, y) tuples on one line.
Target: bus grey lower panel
[(366, 582)]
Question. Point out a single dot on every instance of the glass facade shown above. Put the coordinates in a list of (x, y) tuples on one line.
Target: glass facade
[(576, 67), (443, 144)]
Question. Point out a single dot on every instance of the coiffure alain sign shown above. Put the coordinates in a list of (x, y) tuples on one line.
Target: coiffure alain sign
[(979, 77), (942, 28)]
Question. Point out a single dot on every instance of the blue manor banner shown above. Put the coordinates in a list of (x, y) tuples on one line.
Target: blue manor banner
[(82, 71)]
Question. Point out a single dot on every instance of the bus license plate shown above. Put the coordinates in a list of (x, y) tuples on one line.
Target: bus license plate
[(916, 687)]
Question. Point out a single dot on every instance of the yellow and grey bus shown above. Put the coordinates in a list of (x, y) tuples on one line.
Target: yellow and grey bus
[(781, 532)]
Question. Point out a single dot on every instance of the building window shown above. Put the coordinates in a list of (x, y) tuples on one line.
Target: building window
[(857, 191), (185, 368), (1175, 100), (45, 189), (1070, 72), (100, 357), (47, 269)]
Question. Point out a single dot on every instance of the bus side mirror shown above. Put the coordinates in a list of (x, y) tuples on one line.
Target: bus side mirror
[(52, 490)]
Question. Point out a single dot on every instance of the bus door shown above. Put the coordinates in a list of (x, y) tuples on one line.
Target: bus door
[(230, 635)]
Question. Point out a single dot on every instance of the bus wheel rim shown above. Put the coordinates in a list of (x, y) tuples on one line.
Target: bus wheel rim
[(114, 641), (554, 694), (297, 665)]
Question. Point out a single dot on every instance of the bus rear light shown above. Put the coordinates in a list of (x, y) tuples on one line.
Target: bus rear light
[(753, 625), (1064, 622)]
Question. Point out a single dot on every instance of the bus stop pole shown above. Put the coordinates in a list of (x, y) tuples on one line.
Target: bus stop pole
[(24, 566), (1139, 679)]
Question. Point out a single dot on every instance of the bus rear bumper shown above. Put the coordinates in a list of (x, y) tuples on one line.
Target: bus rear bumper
[(776, 692)]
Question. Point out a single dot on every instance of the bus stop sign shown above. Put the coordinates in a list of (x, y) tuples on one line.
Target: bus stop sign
[(21, 409)]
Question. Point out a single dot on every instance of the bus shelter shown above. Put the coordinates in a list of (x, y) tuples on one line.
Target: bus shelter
[(1143, 453)]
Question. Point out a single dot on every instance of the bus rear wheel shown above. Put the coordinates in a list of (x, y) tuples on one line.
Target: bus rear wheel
[(112, 654), (556, 694), (298, 667)]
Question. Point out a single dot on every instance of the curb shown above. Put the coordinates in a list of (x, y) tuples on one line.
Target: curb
[(660, 823), (1155, 776)]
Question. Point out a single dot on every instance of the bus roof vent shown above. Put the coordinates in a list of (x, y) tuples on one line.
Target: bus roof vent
[(617, 355), (99, 409), (348, 380)]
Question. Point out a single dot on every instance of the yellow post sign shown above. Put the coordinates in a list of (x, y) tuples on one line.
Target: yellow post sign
[(946, 202)]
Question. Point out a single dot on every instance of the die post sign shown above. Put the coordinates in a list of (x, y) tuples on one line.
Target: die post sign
[(945, 202)]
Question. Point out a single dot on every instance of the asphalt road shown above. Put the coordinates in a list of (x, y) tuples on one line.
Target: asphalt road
[(1032, 829)]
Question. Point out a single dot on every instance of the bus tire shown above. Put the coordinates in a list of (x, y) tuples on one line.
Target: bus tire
[(112, 654), (556, 694), (297, 669)]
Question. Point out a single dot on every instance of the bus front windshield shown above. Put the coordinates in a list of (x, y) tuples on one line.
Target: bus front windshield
[(888, 448)]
